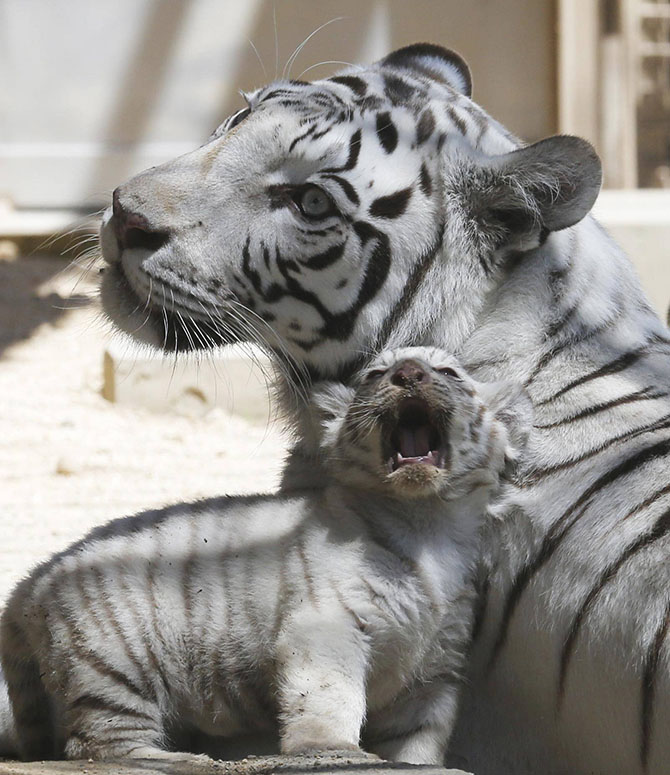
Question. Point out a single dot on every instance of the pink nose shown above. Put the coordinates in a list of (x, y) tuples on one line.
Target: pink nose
[(408, 373), (133, 229)]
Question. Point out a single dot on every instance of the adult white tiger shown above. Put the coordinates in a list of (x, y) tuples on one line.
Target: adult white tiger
[(382, 207)]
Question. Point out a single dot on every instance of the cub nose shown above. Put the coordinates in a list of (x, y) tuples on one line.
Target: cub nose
[(408, 373), (132, 229)]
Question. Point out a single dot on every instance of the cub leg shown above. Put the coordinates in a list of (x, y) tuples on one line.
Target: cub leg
[(29, 701), (322, 663), (99, 727), (416, 727)]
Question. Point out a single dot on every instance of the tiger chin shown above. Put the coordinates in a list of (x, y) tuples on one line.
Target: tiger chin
[(335, 617)]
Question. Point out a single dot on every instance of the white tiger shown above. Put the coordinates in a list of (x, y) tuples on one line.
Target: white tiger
[(381, 208), (317, 611)]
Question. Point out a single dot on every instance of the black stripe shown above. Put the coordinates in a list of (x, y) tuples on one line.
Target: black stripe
[(613, 367), (357, 85), (660, 529), (397, 90), (323, 132), (487, 362), (561, 322), (296, 140), (480, 120), (96, 702), (187, 572), (391, 206), (97, 663), (456, 120), (335, 325), (277, 93), (425, 127), (151, 656), (307, 573), (646, 394), (560, 529), (412, 285), (425, 181), (573, 341), (649, 687), (319, 232), (536, 475), (104, 600), (354, 151), (87, 654), (266, 255), (387, 132), (325, 259), (480, 609), (346, 186)]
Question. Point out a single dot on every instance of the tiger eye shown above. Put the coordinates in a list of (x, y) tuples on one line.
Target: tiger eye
[(315, 203)]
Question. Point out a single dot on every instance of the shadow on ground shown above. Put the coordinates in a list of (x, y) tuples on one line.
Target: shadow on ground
[(35, 290)]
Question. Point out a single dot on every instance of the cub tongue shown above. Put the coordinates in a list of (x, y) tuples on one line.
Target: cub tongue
[(414, 442)]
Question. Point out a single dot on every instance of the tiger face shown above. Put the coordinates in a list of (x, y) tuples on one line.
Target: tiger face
[(319, 220), (415, 424)]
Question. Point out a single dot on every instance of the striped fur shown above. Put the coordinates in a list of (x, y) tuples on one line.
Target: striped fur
[(311, 613), (443, 229)]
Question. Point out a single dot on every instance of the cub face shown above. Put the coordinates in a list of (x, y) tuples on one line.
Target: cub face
[(415, 424)]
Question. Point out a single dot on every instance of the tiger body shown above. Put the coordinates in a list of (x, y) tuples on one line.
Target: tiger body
[(431, 224), (304, 614)]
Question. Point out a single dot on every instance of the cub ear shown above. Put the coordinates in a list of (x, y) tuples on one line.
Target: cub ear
[(435, 62), (511, 404), (330, 401), (517, 198)]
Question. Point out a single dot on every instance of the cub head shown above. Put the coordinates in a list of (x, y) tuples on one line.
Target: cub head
[(415, 424)]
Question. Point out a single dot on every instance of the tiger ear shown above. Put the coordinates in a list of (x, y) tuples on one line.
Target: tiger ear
[(427, 59), (517, 198)]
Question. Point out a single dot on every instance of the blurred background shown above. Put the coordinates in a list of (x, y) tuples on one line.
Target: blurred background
[(92, 92)]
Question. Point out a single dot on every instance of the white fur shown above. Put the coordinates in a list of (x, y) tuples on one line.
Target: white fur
[(330, 610), (516, 298)]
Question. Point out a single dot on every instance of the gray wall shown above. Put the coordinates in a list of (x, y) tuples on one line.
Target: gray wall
[(93, 90)]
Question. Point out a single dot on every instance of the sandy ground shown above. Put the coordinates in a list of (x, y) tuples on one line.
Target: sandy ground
[(69, 459)]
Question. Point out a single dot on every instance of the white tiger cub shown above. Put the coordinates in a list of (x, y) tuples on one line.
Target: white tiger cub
[(321, 613)]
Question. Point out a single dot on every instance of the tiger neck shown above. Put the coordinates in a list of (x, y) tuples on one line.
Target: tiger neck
[(578, 287)]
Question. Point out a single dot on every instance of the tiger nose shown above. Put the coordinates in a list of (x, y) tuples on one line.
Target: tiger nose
[(132, 229), (409, 373)]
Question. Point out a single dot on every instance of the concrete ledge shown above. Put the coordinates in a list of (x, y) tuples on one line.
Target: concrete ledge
[(228, 379), (344, 763), (43, 223)]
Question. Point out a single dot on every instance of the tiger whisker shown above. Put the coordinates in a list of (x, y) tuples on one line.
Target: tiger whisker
[(286, 72)]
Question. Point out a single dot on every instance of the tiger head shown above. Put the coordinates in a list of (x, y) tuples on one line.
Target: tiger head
[(415, 424), (329, 220)]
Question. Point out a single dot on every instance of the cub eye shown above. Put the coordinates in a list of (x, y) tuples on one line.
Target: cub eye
[(374, 374), (449, 372), (315, 203), (239, 117)]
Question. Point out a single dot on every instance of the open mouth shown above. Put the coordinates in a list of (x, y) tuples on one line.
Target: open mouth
[(415, 440)]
